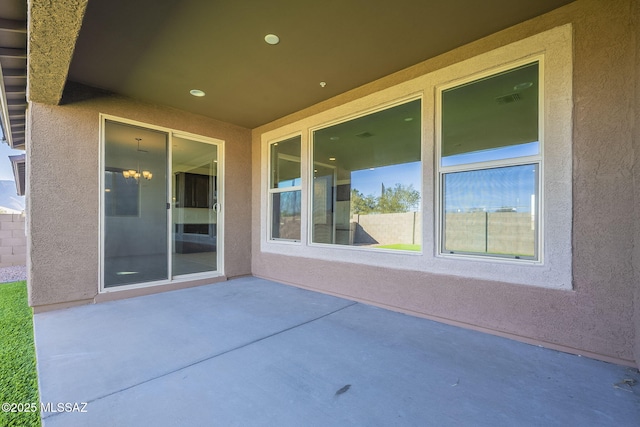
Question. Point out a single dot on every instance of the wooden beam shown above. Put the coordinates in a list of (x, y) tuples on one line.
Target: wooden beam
[(13, 26), (9, 52), (15, 72), (15, 90)]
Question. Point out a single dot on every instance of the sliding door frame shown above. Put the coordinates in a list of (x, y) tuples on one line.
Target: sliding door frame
[(219, 144), (171, 133)]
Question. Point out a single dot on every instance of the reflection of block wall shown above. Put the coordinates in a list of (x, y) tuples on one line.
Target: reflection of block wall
[(511, 233), (13, 242), (494, 232), (465, 232), (387, 229)]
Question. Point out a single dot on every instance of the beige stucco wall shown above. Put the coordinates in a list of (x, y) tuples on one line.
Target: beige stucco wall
[(596, 317), (63, 190)]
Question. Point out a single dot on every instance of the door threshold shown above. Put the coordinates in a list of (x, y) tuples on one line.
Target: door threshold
[(113, 294)]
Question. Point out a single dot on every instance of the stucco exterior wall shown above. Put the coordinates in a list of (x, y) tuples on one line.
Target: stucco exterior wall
[(596, 317), (63, 190)]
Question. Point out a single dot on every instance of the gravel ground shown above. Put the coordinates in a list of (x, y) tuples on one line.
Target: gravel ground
[(13, 274)]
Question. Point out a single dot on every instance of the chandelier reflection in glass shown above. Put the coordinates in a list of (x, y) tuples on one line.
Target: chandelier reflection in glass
[(137, 173)]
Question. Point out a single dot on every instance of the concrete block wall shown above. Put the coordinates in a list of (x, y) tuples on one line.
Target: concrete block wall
[(13, 240)]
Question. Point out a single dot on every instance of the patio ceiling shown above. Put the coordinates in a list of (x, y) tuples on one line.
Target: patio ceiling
[(159, 50)]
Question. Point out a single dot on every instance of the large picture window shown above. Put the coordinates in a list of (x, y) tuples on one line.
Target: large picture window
[(490, 165), (464, 171), (367, 181), (285, 187)]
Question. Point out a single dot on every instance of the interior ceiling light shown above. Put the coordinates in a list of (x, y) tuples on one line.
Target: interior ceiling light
[(136, 174), (332, 159), (197, 92), (323, 84), (408, 119), (272, 39)]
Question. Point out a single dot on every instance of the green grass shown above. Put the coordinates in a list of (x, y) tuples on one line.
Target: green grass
[(18, 376), (401, 247)]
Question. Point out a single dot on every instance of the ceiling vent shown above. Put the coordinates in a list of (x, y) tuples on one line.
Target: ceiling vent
[(508, 99)]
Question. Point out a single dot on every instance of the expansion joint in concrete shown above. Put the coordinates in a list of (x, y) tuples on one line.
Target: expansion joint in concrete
[(214, 356)]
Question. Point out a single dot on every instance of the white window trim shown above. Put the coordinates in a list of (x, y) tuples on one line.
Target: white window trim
[(554, 270), (272, 191), (516, 161)]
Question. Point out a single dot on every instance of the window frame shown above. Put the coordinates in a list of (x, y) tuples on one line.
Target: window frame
[(419, 96), (554, 269), (441, 171), (271, 191)]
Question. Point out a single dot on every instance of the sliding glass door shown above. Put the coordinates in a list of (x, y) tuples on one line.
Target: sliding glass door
[(135, 205), (161, 206), (195, 206)]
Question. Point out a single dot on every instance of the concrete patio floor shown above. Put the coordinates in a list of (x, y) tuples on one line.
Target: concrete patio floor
[(251, 352)]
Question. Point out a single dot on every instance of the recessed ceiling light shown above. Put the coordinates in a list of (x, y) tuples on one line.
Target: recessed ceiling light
[(272, 39), (323, 84), (332, 158), (197, 92)]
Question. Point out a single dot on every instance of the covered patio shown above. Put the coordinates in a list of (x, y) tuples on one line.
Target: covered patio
[(252, 352)]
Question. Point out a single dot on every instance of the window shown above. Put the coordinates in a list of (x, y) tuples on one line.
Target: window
[(285, 187), (367, 180), (497, 130), (490, 165)]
